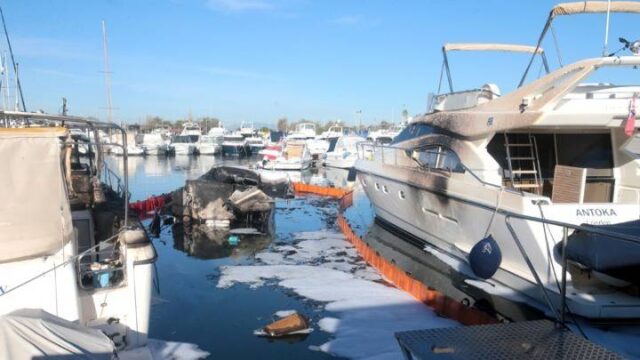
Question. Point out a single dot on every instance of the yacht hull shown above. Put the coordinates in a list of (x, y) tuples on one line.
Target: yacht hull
[(158, 150), (339, 162), (184, 149), (209, 149), (277, 165), (451, 218), (236, 150)]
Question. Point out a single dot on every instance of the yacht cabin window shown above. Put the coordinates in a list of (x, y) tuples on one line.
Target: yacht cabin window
[(413, 131), (593, 152), (438, 158), (186, 139)]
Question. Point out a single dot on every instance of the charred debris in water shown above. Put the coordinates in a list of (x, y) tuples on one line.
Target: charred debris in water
[(213, 215)]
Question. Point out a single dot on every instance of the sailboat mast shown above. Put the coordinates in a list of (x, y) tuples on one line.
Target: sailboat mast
[(5, 84), (13, 61), (107, 72)]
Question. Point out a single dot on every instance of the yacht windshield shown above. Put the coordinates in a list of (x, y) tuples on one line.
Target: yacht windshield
[(413, 131), (186, 139)]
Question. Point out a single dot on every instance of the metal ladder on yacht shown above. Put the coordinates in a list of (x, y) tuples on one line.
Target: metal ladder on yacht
[(522, 158)]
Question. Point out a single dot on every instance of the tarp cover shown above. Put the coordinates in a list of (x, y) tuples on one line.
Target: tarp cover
[(34, 333), (610, 255), (35, 219), (594, 7), (492, 47)]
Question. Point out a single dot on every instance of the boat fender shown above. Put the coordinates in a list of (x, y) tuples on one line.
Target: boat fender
[(485, 257), (351, 177)]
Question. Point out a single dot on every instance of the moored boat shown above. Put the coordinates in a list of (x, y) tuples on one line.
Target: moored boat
[(342, 152), (515, 175), (294, 155), (235, 145), (68, 244)]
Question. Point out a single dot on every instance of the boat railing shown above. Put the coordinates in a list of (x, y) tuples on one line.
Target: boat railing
[(369, 151), (113, 180), (562, 309), (100, 268)]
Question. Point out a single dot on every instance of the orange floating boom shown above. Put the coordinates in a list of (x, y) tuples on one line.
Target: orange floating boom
[(441, 304), (319, 190)]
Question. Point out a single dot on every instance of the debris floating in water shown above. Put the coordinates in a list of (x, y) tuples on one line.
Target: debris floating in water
[(322, 266), (292, 324)]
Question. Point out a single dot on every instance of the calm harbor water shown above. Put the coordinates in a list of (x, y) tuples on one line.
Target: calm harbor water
[(190, 308)]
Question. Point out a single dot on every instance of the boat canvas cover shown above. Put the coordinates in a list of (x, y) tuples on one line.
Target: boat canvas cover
[(35, 219), (610, 255), (34, 333), (595, 7), (492, 47)]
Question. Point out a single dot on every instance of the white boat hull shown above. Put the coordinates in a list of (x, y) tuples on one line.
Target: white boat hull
[(339, 162), (156, 150), (453, 216), (184, 149), (209, 149), (284, 165)]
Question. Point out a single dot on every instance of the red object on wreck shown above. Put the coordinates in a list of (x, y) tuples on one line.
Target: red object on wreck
[(147, 208)]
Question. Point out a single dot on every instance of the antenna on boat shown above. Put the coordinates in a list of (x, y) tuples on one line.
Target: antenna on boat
[(606, 30), (107, 72), (15, 65), (3, 84)]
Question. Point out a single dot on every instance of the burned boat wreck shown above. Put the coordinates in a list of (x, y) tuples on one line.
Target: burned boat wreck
[(227, 197)]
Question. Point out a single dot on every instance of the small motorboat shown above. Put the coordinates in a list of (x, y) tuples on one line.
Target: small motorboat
[(209, 144), (235, 145), (132, 150), (343, 152), (155, 144), (294, 156), (185, 144)]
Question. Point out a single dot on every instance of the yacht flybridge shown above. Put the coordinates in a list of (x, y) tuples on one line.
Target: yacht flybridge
[(67, 243), (545, 176)]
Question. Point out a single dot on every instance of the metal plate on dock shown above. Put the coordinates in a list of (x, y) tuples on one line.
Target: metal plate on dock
[(538, 339)]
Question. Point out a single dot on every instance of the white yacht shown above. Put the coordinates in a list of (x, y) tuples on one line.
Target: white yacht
[(209, 144), (294, 156), (303, 131), (247, 129), (191, 128), (335, 131), (385, 135), (255, 144), (516, 174), (235, 144), (67, 251), (316, 144), (342, 152), (155, 144), (218, 130), (185, 144), (131, 150)]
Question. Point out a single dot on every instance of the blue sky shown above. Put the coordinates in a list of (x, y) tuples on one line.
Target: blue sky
[(260, 60)]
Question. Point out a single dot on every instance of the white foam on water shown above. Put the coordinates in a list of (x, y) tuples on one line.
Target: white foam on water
[(164, 350), (455, 263), (284, 313), (270, 258), (324, 267)]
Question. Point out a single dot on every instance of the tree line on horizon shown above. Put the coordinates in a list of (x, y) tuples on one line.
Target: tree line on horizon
[(283, 124)]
